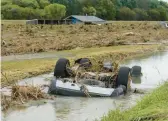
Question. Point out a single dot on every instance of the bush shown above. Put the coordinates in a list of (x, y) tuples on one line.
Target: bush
[(163, 13), (154, 15), (55, 11), (126, 14), (140, 14), (12, 12)]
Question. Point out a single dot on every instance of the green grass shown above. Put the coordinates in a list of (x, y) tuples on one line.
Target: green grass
[(16, 70), (153, 107)]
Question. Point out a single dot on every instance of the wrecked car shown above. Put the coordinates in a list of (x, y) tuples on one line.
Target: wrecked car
[(76, 81)]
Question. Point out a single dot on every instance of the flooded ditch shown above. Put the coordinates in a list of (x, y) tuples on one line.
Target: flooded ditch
[(154, 69)]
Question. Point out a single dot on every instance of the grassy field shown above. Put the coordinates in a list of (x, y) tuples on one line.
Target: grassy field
[(7, 22), (16, 70), (43, 38), (153, 107)]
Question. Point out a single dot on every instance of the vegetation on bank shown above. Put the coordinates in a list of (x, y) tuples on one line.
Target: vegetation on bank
[(106, 9), (153, 107), (20, 39), (16, 70)]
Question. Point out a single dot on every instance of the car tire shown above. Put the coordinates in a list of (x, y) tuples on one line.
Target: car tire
[(123, 76), (60, 70), (136, 71)]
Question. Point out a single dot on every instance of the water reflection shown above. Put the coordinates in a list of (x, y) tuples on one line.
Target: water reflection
[(154, 69), (136, 79), (33, 113)]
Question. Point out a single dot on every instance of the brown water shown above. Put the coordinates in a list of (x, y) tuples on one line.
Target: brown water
[(154, 69)]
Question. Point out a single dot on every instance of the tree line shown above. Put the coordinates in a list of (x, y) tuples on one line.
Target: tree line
[(106, 9)]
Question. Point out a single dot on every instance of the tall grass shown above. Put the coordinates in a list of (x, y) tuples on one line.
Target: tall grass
[(153, 107)]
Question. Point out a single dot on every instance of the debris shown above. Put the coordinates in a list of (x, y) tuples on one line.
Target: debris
[(26, 93), (129, 34), (22, 94)]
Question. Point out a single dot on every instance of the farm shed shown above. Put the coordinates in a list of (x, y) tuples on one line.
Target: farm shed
[(75, 19), (46, 21)]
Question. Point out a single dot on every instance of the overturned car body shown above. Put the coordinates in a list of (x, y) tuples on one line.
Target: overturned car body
[(88, 83), (60, 87)]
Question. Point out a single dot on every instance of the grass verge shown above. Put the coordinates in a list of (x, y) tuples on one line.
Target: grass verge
[(153, 107), (16, 70)]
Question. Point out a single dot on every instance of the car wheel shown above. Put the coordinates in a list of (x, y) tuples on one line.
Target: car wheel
[(123, 76), (61, 68)]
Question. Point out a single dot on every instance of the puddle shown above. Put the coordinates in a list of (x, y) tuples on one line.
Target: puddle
[(154, 69)]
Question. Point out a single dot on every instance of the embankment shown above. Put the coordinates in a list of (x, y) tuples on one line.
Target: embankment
[(153, 107)]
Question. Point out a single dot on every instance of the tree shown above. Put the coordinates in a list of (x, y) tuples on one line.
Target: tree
[(5, 2), (163, 13), (89, 10), (132, 4), (28, 13), (42, 3), (40, 13), (73, 7), (143, 4), (26, 3), (12, 12), (126, 13), (129, 3), (154, 15), (55, 11), (106, 9), (140, 14), (154, 4)]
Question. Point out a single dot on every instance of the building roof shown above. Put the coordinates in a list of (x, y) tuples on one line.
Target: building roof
[(86, 18)]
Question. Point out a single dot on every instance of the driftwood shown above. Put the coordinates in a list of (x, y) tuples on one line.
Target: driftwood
[(27, 92), (21, 94)]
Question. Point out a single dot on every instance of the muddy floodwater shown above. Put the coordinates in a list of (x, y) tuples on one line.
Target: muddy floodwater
[(154, 69)]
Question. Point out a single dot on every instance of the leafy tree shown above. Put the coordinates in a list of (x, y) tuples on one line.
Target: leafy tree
[(140, 14), (106, 9), (73, 7), (154, 15), (5, 2), (89, 10), (12, 12), (154, 4), (117, 3), (143, 4), (163, 13), (26, 3), (126, 13), (129, 3), (40, 13), (28, 13), (42, 3), (164, 4), (55, 11), (132, 4)]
